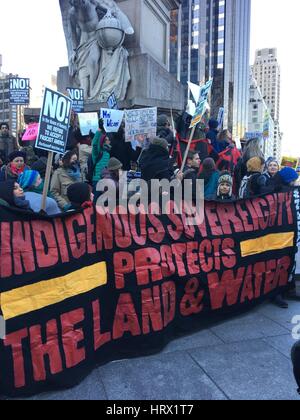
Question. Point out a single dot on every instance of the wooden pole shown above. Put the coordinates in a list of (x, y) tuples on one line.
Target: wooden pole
[(47, 180), (188, 148)]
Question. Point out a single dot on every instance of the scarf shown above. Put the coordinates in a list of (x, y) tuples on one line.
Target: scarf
[(13, 171), (74, 173)]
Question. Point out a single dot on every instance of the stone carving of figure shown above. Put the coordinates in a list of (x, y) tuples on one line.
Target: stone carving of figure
[(99, 71)]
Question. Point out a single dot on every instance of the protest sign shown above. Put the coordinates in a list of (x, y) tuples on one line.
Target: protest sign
[(140, 124), (112, 119), (202, 103), (84, 289), (88, 121), (54, 122), (266, 127), (31, 132), (19, 91), (112, 102), (291, 162), (77, 96), (221, 118)]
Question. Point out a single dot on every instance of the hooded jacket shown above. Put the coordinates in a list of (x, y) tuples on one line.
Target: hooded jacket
[(155, 163)]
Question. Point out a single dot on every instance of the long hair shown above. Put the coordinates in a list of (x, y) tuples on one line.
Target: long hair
[(252, 149)]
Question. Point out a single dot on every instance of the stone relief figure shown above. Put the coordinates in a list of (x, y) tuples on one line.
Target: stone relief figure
[(95, 31)]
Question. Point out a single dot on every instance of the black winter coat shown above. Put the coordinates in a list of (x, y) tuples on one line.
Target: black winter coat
[(155, 163)]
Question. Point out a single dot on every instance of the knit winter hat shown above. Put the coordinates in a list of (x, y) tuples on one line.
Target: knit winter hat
[(27, 179), (79, 193), (225, 178), (160, 142), (114, 165), (16, 154), (255, 164), (288, 175), (7, 192)]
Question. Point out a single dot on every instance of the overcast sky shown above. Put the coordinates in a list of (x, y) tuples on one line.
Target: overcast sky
[(32, 44)]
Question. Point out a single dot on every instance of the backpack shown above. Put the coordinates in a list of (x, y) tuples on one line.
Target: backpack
[(244, 191), (91, 167)]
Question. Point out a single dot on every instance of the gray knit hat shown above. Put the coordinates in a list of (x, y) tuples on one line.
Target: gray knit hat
[(160, 142), (114, 165)]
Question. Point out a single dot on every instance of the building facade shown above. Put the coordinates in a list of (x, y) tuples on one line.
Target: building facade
[(266, 71), (213, 37), (260, 121), (11, 114)]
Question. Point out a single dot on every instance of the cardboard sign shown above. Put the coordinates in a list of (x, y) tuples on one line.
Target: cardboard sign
[(291, 162), (88, 121), (77, 96), (140, 124), (112, 119), (54, 122), (202, 103), (112, 102), (19, 91), (31, 132)]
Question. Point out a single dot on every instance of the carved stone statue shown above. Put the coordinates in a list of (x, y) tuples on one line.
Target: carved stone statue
[(95, 32)]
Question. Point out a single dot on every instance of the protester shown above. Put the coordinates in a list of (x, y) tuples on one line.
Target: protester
[(12, 195), (191, 171), (254, 182), (32, 184), (251, 150), (63, 177), (113, 173), (286, 179), (164, 130), (155, 163), (40, 166), (210, 175), (225, 184), (8, 144), (79, 195), (122, 150), (15, 167), (272, 169), (213, 132), (224, 140), (100, 155)]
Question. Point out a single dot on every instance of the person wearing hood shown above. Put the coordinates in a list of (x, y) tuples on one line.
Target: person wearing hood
[(272, 169), (210, 175), (225, 185), (63, 177), (100, 154), (80, 196), (164, 130), (32, 184), (286, 180), (155, 163), (12, 195), (15, 167)]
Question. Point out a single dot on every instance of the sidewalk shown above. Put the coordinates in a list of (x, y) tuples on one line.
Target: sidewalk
[(247, 357)]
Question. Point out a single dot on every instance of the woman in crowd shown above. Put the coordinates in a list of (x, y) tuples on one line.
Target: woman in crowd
[(254, 182), (272, 169), (12, 195), (32, 184), (101, 154), (15, 167), (251, 150), (210, 175), (63, 177)]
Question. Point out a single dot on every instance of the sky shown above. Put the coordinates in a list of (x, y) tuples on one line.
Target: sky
[(32, 44)]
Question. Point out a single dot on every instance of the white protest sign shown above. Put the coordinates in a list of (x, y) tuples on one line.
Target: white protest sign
[(54, 122), (140, 124), (112, 119), (202, 104), (88, 121)]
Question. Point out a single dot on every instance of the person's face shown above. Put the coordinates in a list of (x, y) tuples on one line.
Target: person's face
[(196, 162), (225, 188), (18, 192), (107, 141), (73, 159), (273, 168), (4, 131), (38, 181), (19, 162)]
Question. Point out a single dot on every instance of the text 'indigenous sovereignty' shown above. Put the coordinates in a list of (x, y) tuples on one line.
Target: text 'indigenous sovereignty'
[(84, 289)]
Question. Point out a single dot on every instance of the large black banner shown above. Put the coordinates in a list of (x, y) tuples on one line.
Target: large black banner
[(82, 289)]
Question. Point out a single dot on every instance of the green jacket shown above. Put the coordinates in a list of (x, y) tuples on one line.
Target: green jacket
[(97, 150)]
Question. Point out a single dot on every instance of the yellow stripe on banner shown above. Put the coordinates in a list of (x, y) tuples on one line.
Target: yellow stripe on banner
[(31, 298), (267, 243)]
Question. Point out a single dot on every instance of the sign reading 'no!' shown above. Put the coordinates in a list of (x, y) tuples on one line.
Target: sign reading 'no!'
[(54, 122), (19, 91)]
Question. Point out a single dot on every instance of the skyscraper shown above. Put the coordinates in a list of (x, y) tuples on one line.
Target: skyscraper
[(214, 39), (266, 71)]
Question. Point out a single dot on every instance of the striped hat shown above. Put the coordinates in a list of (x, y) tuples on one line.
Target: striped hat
[(27, 179)]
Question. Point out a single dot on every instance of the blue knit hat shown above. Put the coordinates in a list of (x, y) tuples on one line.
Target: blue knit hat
[(27, 179), (288, 175)]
